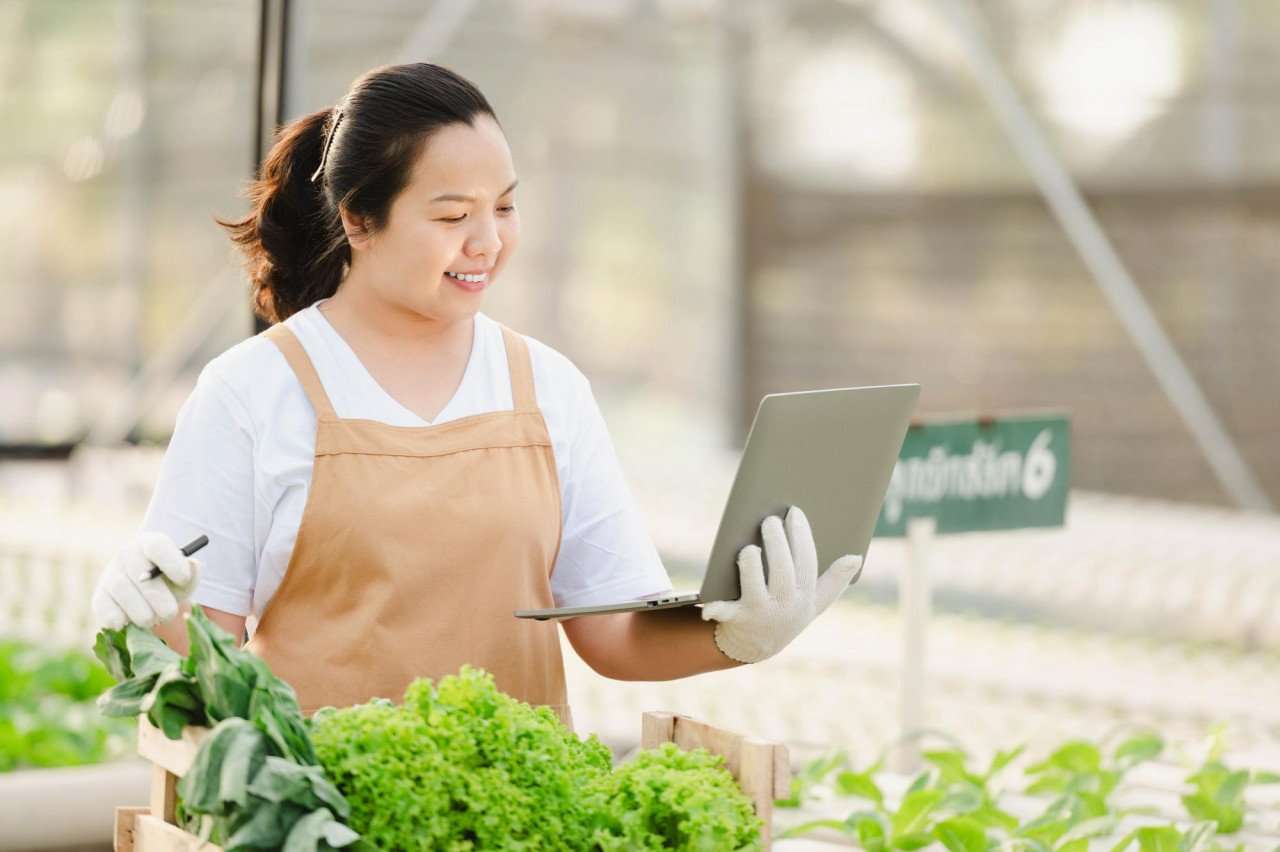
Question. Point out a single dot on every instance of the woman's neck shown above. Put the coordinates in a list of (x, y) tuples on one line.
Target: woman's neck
[(362, 317)]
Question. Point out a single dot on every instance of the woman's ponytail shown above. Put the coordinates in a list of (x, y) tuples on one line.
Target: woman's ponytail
[(294, 246)]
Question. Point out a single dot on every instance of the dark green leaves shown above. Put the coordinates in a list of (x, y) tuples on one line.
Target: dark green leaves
[(254, 784)]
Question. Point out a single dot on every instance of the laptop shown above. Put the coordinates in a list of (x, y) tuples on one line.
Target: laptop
[(830, 452)]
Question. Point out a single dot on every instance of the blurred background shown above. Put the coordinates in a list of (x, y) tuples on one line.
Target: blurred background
[(721, 200)]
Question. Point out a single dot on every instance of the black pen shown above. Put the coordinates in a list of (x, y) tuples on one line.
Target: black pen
[(187, 549)]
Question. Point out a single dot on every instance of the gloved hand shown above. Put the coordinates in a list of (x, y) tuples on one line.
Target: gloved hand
[(122, 597), (766, 618)]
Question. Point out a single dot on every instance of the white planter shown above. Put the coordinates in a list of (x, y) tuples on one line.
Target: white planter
[(76, 806)]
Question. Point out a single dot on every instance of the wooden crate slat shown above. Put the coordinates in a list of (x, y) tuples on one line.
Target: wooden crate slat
[(124, 827), (760, 767), (153, 835), (174, 755), (781, 772), (164, 793), (657, 728)]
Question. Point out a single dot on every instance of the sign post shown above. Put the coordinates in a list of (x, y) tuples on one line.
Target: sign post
[(992, 473)]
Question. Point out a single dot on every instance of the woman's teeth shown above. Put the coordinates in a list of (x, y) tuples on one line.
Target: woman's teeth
[(473, 279)]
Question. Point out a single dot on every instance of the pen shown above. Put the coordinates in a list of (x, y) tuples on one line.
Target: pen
[(187, 549)]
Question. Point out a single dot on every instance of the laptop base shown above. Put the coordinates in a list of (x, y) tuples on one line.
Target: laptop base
[(665, 602)]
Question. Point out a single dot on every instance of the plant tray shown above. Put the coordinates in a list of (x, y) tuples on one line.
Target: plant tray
[(761, 768)]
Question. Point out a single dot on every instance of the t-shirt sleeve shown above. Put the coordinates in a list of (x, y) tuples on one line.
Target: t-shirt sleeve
[(206, 487), (606, 553)]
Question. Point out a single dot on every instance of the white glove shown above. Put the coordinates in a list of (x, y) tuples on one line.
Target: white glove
[(122, 596), (766, 618)]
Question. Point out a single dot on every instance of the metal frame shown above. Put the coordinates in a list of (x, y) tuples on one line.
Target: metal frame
[(273, 57)]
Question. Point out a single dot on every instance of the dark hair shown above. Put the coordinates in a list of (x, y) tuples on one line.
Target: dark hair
[(294, 246)]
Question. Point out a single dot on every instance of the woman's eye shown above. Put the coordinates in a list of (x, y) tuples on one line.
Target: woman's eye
[(455, 219), (508, 208)]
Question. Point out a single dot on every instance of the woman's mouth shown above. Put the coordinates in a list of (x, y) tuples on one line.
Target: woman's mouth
[(470, 283)]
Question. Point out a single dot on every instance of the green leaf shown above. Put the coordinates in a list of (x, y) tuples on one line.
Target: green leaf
[(1097, 826), (1079, 844), (1231, 791), (963, 797), (859, 784), (280, 780), (148, 654), (318, 831), (926, 780), (266, 826), (961, 834), (223, 767), (910, 842), (109, 647), (224, 672), (1092, 805), (176, 702), (1162, 839), (1198, 838), (128, 698), (1200, 806), (950, 763), (913, 813), (1077, 757), (867, 825), (1048, 784), (1001, 760), (1138, 749)]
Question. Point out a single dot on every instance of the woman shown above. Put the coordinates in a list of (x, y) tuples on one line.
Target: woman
[(387, 474)]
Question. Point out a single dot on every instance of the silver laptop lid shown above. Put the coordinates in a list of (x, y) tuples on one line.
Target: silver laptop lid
[(830, 452)]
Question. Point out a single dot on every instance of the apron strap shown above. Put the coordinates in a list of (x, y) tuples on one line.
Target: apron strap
[(302, 367), (522, 394)]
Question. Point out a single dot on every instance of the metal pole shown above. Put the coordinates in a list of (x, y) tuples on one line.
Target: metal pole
[(273, 25), (746, 201), (1084, 232)]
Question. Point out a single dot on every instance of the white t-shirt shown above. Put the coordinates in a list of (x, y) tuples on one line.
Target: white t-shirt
[(239, 465)]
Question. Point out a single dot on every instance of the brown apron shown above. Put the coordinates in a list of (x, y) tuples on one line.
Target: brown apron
[(415, 547)]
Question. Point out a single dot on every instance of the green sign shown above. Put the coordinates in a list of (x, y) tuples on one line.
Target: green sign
[(1000, 473)]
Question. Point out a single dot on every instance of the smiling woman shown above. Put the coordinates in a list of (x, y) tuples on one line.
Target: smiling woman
[(387, 475)]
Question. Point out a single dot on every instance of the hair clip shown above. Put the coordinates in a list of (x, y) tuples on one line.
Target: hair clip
[(324, 155)]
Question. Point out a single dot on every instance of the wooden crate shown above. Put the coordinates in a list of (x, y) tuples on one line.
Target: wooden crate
[(761, 768)]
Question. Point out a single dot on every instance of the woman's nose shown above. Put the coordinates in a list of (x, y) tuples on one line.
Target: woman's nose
[(485, 240)]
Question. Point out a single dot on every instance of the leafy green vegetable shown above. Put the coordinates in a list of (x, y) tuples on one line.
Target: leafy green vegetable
[(254, 784), (1219, 794), (461, 766), (813, 773), (47, 715), (672, 799)]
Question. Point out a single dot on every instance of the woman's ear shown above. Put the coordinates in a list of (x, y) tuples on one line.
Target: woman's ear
[(357, 234)]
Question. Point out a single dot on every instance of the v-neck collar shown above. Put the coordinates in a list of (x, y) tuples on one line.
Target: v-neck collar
[(356, 364)]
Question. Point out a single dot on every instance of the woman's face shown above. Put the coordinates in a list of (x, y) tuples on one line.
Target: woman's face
[(456, 217)]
